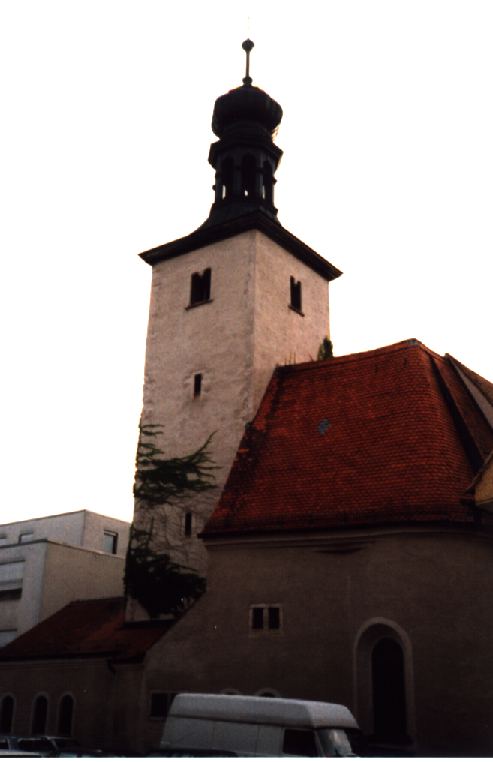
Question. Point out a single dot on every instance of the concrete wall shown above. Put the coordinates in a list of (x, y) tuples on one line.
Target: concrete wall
[(63, 527), (53, 575), (235, 341), (75, 574), (81, 528), (95, 525), (429, 590)]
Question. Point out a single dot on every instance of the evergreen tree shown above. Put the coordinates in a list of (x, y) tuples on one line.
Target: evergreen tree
[(160, 585)]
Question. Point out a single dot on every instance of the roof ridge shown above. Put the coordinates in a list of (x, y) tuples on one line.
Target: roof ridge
[(355, 356)]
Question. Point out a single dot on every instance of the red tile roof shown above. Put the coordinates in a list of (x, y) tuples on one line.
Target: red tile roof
[(385, 436), (87, 629)]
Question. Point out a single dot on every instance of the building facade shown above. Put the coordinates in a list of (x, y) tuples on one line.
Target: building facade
[(348, 553), (47, 562)]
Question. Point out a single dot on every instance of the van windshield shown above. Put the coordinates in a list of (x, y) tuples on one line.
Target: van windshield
[(335, 742)]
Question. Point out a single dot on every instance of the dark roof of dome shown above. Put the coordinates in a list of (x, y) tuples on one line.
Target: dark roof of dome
[(245, 104)]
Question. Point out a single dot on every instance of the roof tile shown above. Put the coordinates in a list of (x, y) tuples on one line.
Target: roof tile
[(89, 628), (384, 436)]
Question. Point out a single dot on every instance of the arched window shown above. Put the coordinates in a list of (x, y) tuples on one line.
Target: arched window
[(40, 716), (267, 183), (227, 174), (389, 698), (65, 715), (384, 683), (248, 171), (7, 714)]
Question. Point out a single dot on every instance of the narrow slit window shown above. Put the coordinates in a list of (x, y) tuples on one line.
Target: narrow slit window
[(295, 293), (187, 524), (197, 385), (200, 287)]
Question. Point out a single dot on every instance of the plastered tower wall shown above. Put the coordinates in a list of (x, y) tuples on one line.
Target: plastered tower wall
[(281, 335), (235, 341)]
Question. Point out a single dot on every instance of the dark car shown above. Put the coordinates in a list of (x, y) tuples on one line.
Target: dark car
[(55, 746)]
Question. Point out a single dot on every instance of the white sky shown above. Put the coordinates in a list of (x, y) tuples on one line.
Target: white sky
[(104, 138)]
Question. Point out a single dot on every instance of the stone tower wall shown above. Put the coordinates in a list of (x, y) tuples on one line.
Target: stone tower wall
[(235, 341)]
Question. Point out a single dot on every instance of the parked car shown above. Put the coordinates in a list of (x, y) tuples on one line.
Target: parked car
[(47, 746), (257, 726), (25, 746)]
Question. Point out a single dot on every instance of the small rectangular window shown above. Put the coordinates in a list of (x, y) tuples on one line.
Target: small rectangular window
[(295, 293), (265, 617), (197, 385), (26, 536), (200, 288), (4, 540), (188, 524), (110, 542)]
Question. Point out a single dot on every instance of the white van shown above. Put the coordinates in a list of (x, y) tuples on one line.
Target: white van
[(255, 726)]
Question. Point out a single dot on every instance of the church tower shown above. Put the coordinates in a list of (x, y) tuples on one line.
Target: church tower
[(229, 302)]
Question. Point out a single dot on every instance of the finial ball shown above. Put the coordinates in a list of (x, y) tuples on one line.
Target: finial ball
[(247, 46)]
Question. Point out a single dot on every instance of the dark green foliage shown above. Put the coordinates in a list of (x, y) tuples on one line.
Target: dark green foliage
[(161, 480), (325, 351), (160, 585)]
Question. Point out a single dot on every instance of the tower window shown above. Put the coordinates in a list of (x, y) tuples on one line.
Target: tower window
[(197, 385), (248, 172), (267, 183), (187, 524), (295, 293), (227, 173), (200, 290)]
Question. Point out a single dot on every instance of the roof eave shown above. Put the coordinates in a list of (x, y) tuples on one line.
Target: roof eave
[(204, 236)]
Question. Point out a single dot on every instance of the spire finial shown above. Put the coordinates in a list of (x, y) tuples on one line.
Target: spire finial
[(247, 47)]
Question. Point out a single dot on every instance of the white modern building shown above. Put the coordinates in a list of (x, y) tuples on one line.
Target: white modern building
[(47, 562)]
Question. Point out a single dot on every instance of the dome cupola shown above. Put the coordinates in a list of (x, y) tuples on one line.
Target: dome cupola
[(245, 157)]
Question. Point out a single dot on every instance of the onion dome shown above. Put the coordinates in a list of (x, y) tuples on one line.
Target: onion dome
[(245, 104), (245, 157)]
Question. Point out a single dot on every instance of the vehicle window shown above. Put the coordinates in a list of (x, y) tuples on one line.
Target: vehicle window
[(335, 743), (300, 743), (66, 743), (4, 744)]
